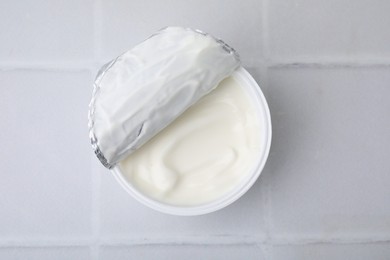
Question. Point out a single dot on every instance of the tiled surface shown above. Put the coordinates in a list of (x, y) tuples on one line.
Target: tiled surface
[(330, 152), (235, 252), (324, 67)]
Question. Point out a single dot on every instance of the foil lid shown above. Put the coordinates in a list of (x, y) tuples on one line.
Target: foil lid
[(139, 93)]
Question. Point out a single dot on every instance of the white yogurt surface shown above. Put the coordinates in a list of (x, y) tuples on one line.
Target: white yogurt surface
[(203, 154)]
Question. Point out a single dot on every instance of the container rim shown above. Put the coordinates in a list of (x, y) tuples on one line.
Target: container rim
[(254, 91)]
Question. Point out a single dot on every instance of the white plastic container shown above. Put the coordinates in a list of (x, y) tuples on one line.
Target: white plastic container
[(254, 91)]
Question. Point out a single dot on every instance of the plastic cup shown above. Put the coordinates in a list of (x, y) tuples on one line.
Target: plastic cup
[(254, 92)]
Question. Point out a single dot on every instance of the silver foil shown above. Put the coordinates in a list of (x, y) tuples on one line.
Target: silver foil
[(96, 90)]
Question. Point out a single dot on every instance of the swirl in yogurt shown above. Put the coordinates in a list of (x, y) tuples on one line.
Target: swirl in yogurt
[(203, 154)]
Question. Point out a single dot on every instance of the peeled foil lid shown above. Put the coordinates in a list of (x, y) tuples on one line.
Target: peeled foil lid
[(151, 102)]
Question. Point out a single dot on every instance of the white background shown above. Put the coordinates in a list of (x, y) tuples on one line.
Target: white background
[(324, 67)]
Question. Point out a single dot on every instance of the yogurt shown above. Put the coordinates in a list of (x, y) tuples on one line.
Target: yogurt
[(183, 127), (203, 154)]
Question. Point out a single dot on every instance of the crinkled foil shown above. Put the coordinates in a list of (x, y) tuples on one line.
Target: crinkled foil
[(96, 91), (91, 113)]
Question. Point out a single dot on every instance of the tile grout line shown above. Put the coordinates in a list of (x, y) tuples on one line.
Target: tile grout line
[(326, 64), (265, 31), (84, 65), (69, 66), (267, 218), (189, 240), (97, 37), (96, 178), (95, 209), (328, 241), (265, 42), (196, 241)]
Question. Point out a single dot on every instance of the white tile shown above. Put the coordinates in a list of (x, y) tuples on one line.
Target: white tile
[(123, 216), (125, 23), (46, 30), (45, 152), (228, 252), (329, 29), (329, 164), (379, 251), (45, 253)]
